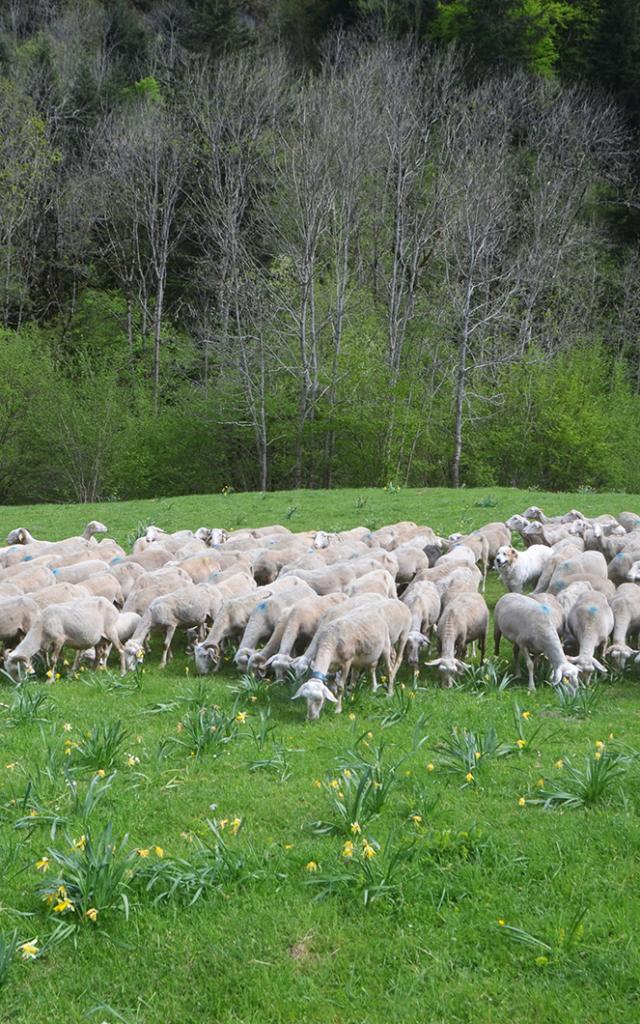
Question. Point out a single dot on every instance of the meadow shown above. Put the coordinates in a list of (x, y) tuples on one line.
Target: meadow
[(447, 856)]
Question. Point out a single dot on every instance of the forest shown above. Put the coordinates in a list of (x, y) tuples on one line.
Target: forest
[(268, 245)]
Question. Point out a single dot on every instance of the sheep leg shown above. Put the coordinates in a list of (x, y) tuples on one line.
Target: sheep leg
[(55, 654), (341, 678), (374, 678), (76, 661), (529, 662), (482, 645), (497, 636), (387, 654), (168, 637)]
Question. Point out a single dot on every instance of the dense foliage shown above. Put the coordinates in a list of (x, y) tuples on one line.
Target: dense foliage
[(315, 244)]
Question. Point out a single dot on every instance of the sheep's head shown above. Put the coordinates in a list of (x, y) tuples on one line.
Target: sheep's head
[(533, 512), (620, 654), (322, 539), (449, 667), (207, 658), (95, 526), (573, 516), (587, 665), (217, 536), (315, 692), (279, 664), (300, 666), (133, 655), (516, 523), (415, 642), (242, 657), (16, 665), (566, 674)]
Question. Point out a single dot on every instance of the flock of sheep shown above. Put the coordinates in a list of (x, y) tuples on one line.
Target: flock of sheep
[(327, 607)]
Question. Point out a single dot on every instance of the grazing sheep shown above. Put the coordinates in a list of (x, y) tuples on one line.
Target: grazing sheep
[(89, 622), (298, 626), (263, 621), (79, 572), (539, 533), (330, 580), (185, 608), (529, 626), (625, 605), (360, 641), (518, 568), (423, 601), (315, 692), (154, 585), (231, 621), (590, 622), (464, 620), (378, 581), (17, 616), (589, 563), (630, 521), (621, 567)]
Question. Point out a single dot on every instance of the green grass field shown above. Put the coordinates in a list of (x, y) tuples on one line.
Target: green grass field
[(248, 932)]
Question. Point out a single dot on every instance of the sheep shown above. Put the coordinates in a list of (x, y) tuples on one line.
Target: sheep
[(81, 624), (540, 533), (30, 578), (625, 605), (104, 584), (529, 627), (154, 585), (17, 616), (22, 536), (518, 568), (183, 608), (536, 513), (315, 692), (464, 620), (410, 560), (621, 567), (360, 641), (127, 575), (557, 569), (300, 624), (10, 589), (332, 579), (300, 665), (423, 601), (518, 524), (605, 587), (378, 581), (630, 521), (153, 557), (389, 537), (590, 622), (59, 593), (263, 621), (269, 562), (79, 571), (126, 626), (198, 567), (230, 621), (553, 608)]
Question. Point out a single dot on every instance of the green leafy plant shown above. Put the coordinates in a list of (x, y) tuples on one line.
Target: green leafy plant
[(373, 874), (558, 948), (101, 749), (493, 675), (585, 787), (206, 729), (356, 797), (8, 946), (93, 878), (212, 865), (579, 704), (402, 702), (464, 751), (29, 705)]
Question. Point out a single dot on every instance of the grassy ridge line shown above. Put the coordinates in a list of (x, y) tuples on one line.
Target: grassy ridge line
[(442, 508)]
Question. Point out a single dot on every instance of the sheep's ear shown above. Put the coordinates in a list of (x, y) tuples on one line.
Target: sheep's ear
[(302, 691), (599, 667), (328, 694), (434, 663), (462, 665)]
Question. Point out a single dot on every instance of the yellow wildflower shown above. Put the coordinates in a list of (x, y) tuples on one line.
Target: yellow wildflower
[(287, 846), (101, 773), (33, 814), (241, 717), (334, 784), (49, 674), (540, 782), (235, 826), (222, 824), (29, 950), (368, 850), (598, 755), (92, 914), (57, 676), (501, 922), (370, 735), (132, 760), (416, 819), (526, 714), (521, 744), (347, 849), (352, 717), (142, 853), (559, 764), (159, 852), (477, 755), (11, 765), (599, 744), (430, 766), (67, 727), (317, 784), (469, 777), (542, 961), (347, 773), (42, 864), (80, 843), (311, 866), (62, 905), (355, 828), (522, 802)]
